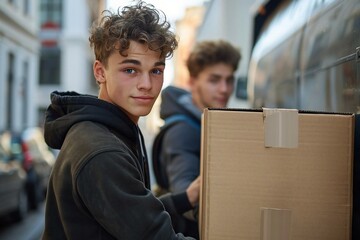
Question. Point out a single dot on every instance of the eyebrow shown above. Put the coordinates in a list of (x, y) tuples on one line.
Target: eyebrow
[(136, 62), (215, 75), (219, 76)]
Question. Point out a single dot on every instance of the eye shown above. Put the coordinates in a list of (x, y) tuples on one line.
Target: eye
[(214, 80), (129, 70), (157, 71), (230, 81)]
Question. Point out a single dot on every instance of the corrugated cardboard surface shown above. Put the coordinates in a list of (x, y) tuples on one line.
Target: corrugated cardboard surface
[(245, 182)]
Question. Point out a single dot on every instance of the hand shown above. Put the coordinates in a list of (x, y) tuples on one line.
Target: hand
[(193, 191)]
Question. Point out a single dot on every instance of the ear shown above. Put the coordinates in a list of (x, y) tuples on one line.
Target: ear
[(192, 81), (99, 72)]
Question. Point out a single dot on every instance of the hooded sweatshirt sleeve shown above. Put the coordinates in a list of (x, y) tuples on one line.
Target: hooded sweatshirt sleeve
[(121, 203)]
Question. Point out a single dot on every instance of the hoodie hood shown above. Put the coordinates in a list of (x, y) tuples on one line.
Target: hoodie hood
[(68, 108), (175, 100)]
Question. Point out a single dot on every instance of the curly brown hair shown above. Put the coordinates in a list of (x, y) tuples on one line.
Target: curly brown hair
[(141, 23), (208, 53)]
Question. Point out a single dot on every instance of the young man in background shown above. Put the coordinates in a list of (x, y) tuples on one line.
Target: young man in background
[(211, 66)]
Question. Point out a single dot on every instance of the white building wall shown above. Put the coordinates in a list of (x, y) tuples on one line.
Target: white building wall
[(75, 45), (3, 73), (22, 99), (76, 66), (18, 35), (230, 20), (32, 90), (76, 55)]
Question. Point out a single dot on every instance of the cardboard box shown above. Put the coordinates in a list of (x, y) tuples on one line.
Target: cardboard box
[(276, 174), (356, 181)]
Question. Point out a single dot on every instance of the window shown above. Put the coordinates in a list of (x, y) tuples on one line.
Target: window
[(24, 90), (51, 12), (26, 7), (10, 81), (50, 65)]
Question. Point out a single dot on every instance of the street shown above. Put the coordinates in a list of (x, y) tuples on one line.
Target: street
[(28, 229)]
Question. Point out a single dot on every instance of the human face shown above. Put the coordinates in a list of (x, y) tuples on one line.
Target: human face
[(133, 82), (213, 86)]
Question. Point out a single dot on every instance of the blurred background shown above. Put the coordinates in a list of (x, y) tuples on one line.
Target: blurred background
[(44, 47), (295, 54)]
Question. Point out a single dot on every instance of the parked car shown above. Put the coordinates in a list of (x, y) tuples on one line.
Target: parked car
[(13, 196), (37, 160)]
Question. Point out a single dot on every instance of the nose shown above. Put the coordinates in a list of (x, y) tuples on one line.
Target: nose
[(224, 86), (144, 82)]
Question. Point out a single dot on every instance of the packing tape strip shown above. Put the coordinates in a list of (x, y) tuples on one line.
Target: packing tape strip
[(275, 224), (281, 127)]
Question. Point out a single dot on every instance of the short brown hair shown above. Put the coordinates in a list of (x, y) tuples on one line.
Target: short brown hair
[(141, 23), (208, 53)]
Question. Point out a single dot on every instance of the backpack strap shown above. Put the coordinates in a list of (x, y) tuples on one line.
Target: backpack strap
[(178, 118), (159, 173)]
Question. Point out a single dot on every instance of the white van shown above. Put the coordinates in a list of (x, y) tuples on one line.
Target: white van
[(306, 55)]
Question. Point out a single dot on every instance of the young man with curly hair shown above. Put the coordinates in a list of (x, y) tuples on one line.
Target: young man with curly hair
[(99, 187), (211, 65)]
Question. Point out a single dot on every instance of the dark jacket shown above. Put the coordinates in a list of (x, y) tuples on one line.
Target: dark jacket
[(180, 154), (99, 187)]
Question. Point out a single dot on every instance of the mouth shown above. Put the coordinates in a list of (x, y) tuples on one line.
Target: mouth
[(222, 100), (143, 99)]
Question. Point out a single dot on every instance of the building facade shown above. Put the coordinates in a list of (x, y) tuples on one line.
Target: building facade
[(19, 48), (43, 47), (65, 56)]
